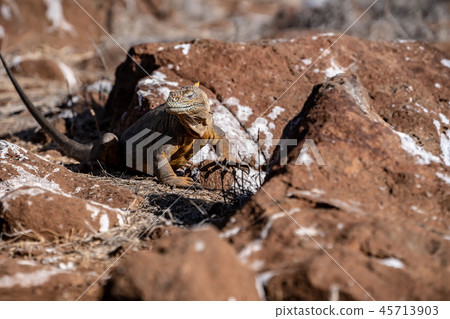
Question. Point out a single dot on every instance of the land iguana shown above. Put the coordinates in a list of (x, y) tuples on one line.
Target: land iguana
[(185, 117)]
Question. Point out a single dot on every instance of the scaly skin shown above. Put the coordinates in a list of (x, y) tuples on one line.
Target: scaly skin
[(185, 117)]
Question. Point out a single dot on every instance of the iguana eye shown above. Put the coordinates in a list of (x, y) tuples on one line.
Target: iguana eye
[(189, 96)]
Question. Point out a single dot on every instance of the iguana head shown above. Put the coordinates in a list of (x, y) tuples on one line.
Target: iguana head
[(191, 106), (187, 100)]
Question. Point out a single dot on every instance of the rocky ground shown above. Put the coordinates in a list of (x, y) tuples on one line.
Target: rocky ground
[(356, 209)]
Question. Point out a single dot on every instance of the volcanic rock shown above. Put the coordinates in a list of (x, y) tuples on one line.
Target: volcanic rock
[(360, 211), (195, 265), (54, 202), (28, 280), (20, 167), (247, 84), (51, 215)]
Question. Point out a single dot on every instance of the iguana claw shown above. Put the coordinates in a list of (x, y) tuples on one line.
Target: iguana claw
[(179, 181), (237, 164)]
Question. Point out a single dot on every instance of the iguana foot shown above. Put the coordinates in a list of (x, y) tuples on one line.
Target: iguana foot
[(183, 182), (236, 163)]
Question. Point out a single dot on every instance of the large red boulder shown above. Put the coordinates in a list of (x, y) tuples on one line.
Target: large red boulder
[(189, 266), (250, 84), (360, 211)]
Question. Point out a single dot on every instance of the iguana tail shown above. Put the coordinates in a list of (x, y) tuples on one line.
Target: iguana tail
[(78, 151)]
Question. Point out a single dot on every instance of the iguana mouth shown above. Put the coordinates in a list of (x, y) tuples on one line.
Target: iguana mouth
[(177, 108)]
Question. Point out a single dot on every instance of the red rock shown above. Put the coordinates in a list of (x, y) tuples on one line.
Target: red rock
[(244, 81), (52, 215), (28, 280), (20, 167), (54, 202), (195, 265), (376, 208)]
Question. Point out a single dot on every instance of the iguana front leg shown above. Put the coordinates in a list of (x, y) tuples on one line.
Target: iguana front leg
[(223, 147), (164, 171), (224, 154)]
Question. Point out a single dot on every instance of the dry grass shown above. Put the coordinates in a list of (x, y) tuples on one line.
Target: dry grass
[(164, 208)]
